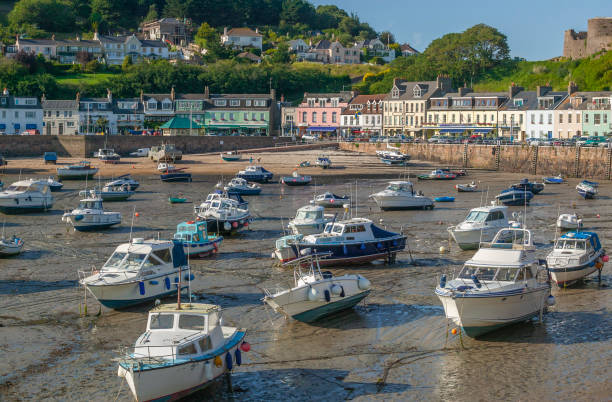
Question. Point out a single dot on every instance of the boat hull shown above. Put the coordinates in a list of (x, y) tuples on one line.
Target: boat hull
[(172, 177), (330, 308), (244, 191), (202, 249), (76, 175), (470, 239), (292, 181), (231, 158), (10, 251), (401, 203), (255, 178), (219, 226)]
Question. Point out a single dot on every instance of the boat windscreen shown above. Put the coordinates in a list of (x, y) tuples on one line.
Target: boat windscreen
[(566, 244), (308, 215), (122, 261), (161, 321), (190, 321), (476, 216)]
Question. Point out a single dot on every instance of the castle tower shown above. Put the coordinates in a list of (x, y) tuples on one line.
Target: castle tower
[(599, 35)]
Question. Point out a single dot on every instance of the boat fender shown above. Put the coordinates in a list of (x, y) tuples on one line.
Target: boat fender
[(78, 217), (342, 294), (167, 282), (227, 226), (476, 281), (208, 372), (245, 346), (238, 356), (362, 247), (176, 279), (154, 282), (379, 245), (141, 287), (229, 361), (605, 258), (344, 249), (327, 296), (443, 281), (336, 290), (218, 361), (189, 277), (394, 243), (312, 294), (550, 300), (598, 265), (234, 224), (363, 283)]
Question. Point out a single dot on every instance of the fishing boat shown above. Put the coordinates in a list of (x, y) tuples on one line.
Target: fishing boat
[(90, 214), (317, 294), (438, 174), (351, 241), (125, 180), (10, 247), (166, 167), (26, 196), (80, 171), (218, 195), (331, 200), (255, 173), (165, 153), (310, 219), (503, 283), (401, 195), (107, 155), (54, 185), (183, 350), (231, 156), (137, 272), (393, 161), (323, 161), (512, 196), (525, 184), (242, 187), (553, 180), (586, 189), (481, 225), (176, 175), (283, 251), (110, 193), (575, 256), (466, 188), (296, 179), (569, 221), (224, 216), (196, 239), (444, 199), (304, 164)]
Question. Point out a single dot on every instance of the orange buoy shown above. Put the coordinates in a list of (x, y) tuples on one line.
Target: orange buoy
[(454, 331), (137, 214)]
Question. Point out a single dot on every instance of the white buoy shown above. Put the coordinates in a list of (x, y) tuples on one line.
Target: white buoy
[(363, 283), (442, 249), (550, 300), (313, 294), (336, 290)]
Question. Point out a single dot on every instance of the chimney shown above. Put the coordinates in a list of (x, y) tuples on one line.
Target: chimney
[(571, 87), (109, 95), (282, 98), (53, 37), (541, 90), (256, 30), (206, 92), (224, 31), (443, 83), (273, 94), (78, 38), (172, 94), (464, 90), (5, 92), (43, 98), (513, 90), (95, 37), (78, 98)]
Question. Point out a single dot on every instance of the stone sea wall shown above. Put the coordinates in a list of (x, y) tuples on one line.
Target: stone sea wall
[(583, 162)]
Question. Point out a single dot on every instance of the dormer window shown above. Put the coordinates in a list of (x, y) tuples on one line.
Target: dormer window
[(545, 103), (166, 105), (220, 102), (152, 104), (395, 93), (417, 92), (518, 102)]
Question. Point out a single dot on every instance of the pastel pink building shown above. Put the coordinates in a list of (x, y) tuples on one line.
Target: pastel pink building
[(319, 114)]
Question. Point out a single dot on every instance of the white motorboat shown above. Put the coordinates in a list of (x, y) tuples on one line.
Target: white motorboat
[(219, 195), (481, 225), (10, 247), (310, 219), (225, 216), (569, 221), (26, 196), (165, 153), (401, 195), (124, 180), (331, 200), (316, 294), (575, 256), (80, 171), (139, 271), (243, 187), (466, 188), (166, 167), (185, 347), (90, 215), (54, 185), (107, 155), (284, 251), (501, 284), (323, 161)]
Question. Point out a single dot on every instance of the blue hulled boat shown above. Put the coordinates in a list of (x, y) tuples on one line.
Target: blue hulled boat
[(553, 180), (512, 196), (242, 187), (525, 184), (196, 240), (587, 189), (575, 256), (255, 173)]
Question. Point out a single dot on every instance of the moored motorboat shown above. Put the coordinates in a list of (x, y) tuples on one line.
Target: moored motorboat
[(54, 185), (438, 174), (177, 199), (231, 156), (181, 340), (401, 195), (110, 193), (165, 153), (525, 184), (80, 171), (90, 214), (569, 221), (241, 186), (166, 167), (503, 283), (512, 196), (137, 272), (107, 155), (10, 247), (196, 239), (481, 225), (125, 180), (587, 189), (176, 175), (553, 180), (317, 294), (218, 195), (575, 256), (255, 173), (466, 188), (225, 216), (323, 161), (310, 219), (331, 200), (296, 179), (26, 196)]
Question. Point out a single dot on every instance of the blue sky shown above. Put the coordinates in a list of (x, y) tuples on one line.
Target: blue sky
[(534, 27)]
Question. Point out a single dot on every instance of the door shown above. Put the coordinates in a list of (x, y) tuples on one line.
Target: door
[(48, 129), (60, 128)]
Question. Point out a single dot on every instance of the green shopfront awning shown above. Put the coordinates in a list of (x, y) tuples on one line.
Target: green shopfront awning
[(181, 123)]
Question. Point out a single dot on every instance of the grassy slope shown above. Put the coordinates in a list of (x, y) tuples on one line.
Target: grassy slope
[(83, 78)]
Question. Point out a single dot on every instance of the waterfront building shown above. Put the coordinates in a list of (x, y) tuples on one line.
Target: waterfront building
[(60, 117), (319, 113), (334, 53), (513, 112), (289, 125), (96, 115), (363, 116), (539, 118), (19, 114), (595, 112), (129, 114)]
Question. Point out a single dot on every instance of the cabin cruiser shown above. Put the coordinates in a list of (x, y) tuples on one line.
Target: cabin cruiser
[(296, 179), (351, 241), (481, 225), (241, 186), (401, 195), (225, 216), (515, 197), (587, 189), (331, 200), (466, 188), (317, 294), (231, 156), (196, 239), (110, 192), (138, 271), (26, 196), (255, 173), (125, 180), (54, 185), (218, 195), (107, 155), (525, 184), (438, 174), (501, 284), (90, 215), (310, 219), (575, 256), (80, 171), (166, 167), (184, 348), (165, 153), (569, 221), (323, 161)]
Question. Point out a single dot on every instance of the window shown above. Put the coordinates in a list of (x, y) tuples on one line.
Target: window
[(597, 118), (262, 117), (561, 118), (231, 116), (533, 119), (304, 117), (259, 103), (518, 102), (314, 117), (234, 102), (247, 102), (220, 102), (167, 105), (586, 117), (70, 124), (520, 119), (577, 118), (205, 344), (16, 114), (30, 115), (152, 104), (334, 114), (162, 321), (222, 116), (163, 255), (605, 118), (324, 117), (541, 118), (188, 349), (188, 321)]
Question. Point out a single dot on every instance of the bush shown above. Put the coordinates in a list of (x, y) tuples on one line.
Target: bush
[(92, 66)]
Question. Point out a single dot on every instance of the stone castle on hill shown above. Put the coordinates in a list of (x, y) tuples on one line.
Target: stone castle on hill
[(598, 37)]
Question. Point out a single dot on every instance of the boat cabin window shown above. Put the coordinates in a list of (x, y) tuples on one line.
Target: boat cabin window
[(188, 349), (120, 260), (337, 229), (90, 205), (506, 274), (355, 229), (215, 204), (476, 216), (528, 272), (151, 261), (205, 343), (482, 273), (567, 244), (521, 275), (189, 321), (495, 215), (17, 188), (467, 272), (308, 215), (161, 321), (115, 260)]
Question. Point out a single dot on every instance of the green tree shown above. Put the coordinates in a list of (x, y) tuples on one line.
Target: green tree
[(48, 15), (176, 8), (281, 54), (208, 38), (387, 37), (152, 14), (297, 11), (127, 62)]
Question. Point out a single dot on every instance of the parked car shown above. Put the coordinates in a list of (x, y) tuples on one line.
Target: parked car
[(50, 158), (140, 152)]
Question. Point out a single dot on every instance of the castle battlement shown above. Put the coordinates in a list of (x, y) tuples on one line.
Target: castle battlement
[(598, 37)]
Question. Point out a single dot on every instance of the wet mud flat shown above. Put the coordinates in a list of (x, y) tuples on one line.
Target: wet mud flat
[(396, 345)]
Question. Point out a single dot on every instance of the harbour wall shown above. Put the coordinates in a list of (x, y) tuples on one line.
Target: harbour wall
[(85, 146), (582, 162)]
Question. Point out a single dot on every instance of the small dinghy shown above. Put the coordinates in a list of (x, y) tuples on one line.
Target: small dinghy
[(331, 200), (575, 256), (466, 188), (587, 189), (10, 247), (180, 341), (240, 186), (317, 294), (296, 179), (177, 199), (553, 180), (196, 240), (569, 221), (444, 199), (231, 156)]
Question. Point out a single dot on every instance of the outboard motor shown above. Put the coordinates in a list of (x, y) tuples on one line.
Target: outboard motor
[(443, 281)]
